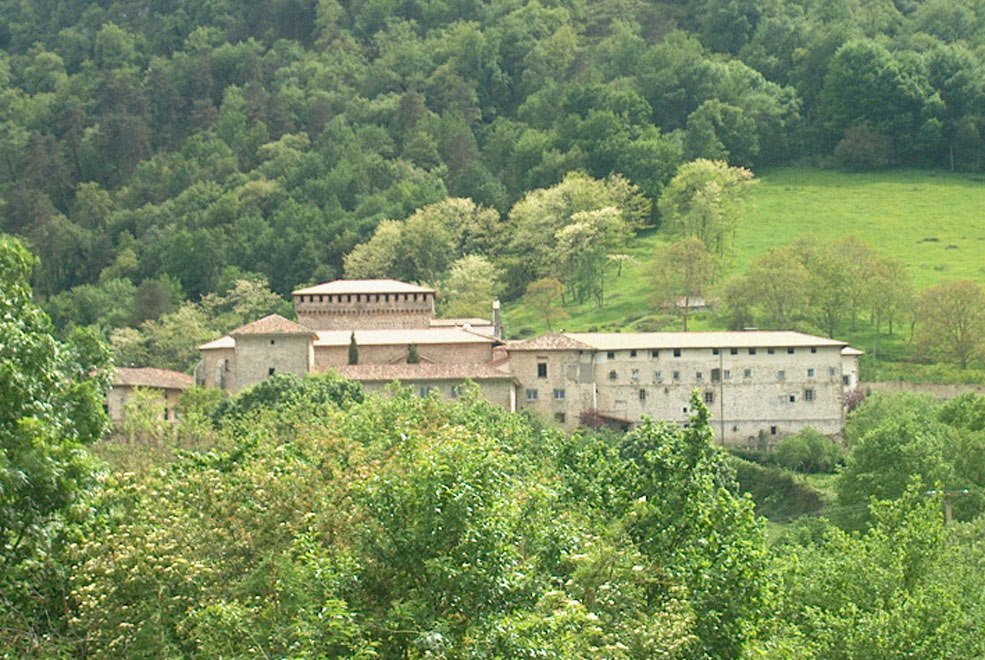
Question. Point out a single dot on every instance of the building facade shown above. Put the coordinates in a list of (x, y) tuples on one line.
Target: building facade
[(756, 385), (167, 384)]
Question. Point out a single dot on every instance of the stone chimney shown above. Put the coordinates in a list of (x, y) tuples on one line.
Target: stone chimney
[(497, 321)]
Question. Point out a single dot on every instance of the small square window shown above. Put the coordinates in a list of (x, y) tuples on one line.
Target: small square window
[(770, 351), (635, 374), (611, 355), (747, 373), (677, 352), (654, 354), (272, 342), (781, 375), (808, 395), (793, 399), (810, 373), (698, 375), (813, 349), (531, 395), (456, 391), (791, 351), (541, 370), (715, 351), (558, 393), (560, 417), (677, 375), (772, 430), (709, 397), (270, 371), (657, 376), (726, 374), (846, 379), (424, 390), (752, 351), (632, 354), (613, 375), (716, 375), (832, 371), (642, 395), (733, 351)]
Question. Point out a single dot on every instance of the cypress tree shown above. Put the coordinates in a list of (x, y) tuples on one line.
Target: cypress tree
[(353, 349)]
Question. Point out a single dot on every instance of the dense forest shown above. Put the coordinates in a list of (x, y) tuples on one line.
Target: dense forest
[(306, 519), (155, 152)]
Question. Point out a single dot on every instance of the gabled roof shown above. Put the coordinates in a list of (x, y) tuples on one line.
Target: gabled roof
[(274, 324), (610, 341), (164, 379), (402, 337), (453, 323), (552, 341), (221, 342), (848, 350), (420, 371), (363, 286)]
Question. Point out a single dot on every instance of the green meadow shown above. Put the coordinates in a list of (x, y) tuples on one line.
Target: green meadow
[(932, 221)]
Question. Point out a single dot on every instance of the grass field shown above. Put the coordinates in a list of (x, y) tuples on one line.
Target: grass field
[(932, 221)]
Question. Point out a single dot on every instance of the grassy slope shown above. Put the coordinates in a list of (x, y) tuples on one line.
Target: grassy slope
[(893, 211)]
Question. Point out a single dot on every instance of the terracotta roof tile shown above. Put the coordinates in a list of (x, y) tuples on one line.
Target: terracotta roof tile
[(149, 377), (274, 324), (552, 341)]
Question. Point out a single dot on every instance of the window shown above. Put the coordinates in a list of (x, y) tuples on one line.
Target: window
[(808, 395), (632, 354), (781, 375), (657, 376), (747, 373), (716, 375), (698, 375), (425, 390), (613, 375), (456, 391), (531, 395), (642, 395), (772, 430), (770, 351), (726, 374), (541, 370), (560, 418), (677, 375), (832, 371), (611, 355), (677, 352), (733, 351), (635, 373), (715, 351), (270, 371), (793, 399), (846, 379), (813, 349), (685, 410), (654, 354), (558, 393), (272, 342), (810, 373), (752, 351), (791, 351), (709, 397)]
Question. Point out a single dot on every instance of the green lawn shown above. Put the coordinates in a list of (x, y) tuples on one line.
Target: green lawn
[(932, 221)]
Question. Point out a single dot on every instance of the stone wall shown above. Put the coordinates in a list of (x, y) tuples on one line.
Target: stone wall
[(499, 392), (936, 390), (258, 356), (365, 311), (471, 353)]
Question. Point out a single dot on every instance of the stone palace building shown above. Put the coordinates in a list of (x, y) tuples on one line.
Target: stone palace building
[(753, 382)]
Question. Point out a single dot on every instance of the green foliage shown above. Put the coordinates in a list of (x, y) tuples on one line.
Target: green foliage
[(808, 451), (283, 390), (52, 408), (779, 494)]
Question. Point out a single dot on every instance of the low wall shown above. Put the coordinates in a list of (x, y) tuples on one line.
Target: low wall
[(936, 390)]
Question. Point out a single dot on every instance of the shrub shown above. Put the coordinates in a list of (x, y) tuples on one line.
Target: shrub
[(808, 451), (863, 148)]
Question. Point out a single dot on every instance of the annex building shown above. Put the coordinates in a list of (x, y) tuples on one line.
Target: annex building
[(754, 383)]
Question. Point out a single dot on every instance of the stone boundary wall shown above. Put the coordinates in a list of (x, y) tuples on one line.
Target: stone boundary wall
[(936, 390)]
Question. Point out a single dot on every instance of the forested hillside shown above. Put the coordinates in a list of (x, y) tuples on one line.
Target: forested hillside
[(160, 151)]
